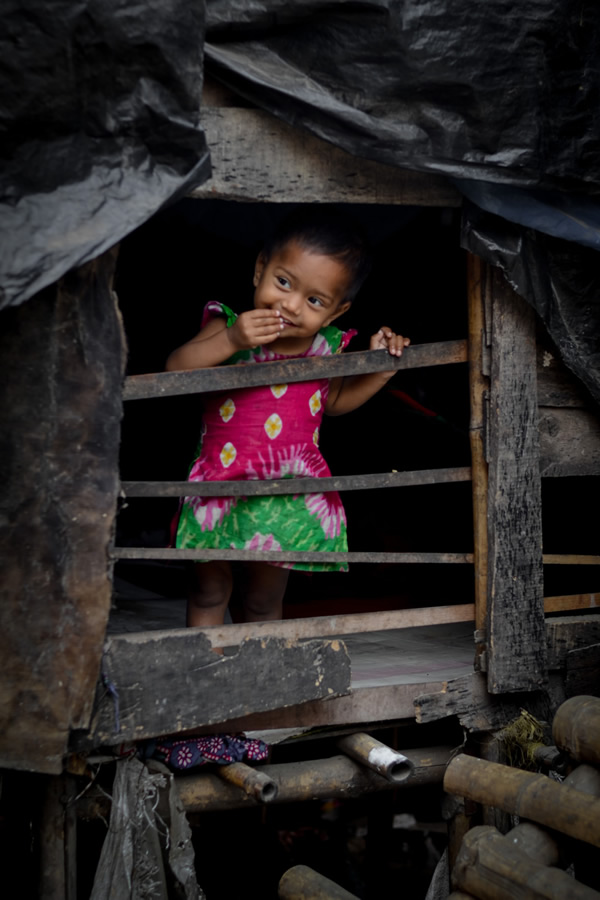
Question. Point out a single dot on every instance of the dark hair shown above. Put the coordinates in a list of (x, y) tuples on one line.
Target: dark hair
[(329, 233)]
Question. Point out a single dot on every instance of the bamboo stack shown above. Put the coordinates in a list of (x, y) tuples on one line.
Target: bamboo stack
[(563, 819)]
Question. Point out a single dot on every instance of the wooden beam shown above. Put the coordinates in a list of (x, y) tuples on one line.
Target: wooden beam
[(197, 381), (566, 633), (478, 388), (256, 156), (336, 626), (569, 442), (570, 559), (158, 683), (515, 592), (63, 354), (291, 556), (294, 485)]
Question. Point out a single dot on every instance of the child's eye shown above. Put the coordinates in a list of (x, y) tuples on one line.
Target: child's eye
[(283, 281), (314, 301)]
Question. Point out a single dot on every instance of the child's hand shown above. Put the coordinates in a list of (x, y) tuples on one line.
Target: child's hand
[(386, 339), (255, 327)]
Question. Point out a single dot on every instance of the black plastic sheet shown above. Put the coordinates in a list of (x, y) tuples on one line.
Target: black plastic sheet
[(99, 127)]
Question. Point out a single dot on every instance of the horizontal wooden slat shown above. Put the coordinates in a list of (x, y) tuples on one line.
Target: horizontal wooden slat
[(571, 601), (337, 626), (570, 559), (218, 378), (293, 485), (288, 556)]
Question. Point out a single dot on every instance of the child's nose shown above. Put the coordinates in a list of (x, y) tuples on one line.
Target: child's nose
[(292, 302)]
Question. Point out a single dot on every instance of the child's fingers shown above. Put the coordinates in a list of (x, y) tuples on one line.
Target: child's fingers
[(386, 339)]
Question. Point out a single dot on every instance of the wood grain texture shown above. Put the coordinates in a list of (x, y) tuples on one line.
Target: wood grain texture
[(516, 640), (197, 381), (63, 353), (569, 442), (294, 485), (332, 556), (257, 157), (158, 683)]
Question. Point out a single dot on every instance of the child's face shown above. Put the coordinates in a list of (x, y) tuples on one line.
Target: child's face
[(308, 289)]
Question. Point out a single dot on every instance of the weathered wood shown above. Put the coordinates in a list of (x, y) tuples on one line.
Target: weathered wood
[(255, 156), (571, 601), (57, 838), (253, 782), (570, 633), (303, 883), (570, 559), (292, 555), (526, 795), (491, 868), (294, 485), (221, 378), (155, 685), (556, 385), (478, 388), (569, 442), (582, 671), (515, 584), (63, 354), (335, 626), (374, 755), (576, 728)]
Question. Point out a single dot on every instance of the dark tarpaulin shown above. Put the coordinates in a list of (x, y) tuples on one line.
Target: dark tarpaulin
[(100, 109), (501, 96), (99, 127)]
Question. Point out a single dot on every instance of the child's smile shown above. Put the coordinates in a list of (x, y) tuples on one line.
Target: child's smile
[(307, 290)]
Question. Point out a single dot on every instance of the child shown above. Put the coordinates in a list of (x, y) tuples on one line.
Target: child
[(304, 279)]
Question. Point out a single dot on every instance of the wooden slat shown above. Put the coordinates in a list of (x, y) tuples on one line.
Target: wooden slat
[(256, 156), (478, 387), (289, 556), (571, 601), (570, 559), (165, 682), (336, 626), (219, 378), (293, 485), (515, 584)]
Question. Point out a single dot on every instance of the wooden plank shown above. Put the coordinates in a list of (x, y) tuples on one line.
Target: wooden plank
[(330, 626), (63, 354), (570, 559), (255, 156), (294, 485), (571, 601), (569, 442), (478, 389), (159, 683), (291, 556), (220, 378), (583, 671), (515, 592), (557, 386), (569, 633)]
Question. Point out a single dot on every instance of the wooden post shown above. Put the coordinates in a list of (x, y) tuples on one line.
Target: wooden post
[(479, 392), (377, 756), (516, 628), (527, 795), (58, 843), (302, 883)]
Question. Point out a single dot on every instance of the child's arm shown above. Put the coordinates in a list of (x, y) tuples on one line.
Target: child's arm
[(346, 394), (216, 343)]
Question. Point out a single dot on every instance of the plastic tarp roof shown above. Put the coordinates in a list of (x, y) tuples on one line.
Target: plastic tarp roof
[(101, 122)]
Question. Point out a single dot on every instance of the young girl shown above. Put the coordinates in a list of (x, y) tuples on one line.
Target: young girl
[(304, 279)]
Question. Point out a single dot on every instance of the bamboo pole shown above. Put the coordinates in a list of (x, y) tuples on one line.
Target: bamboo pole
[(478, 387), (491, 868), (377, 756), (254, 782), (576, 728), (303, 883), (527, 795)]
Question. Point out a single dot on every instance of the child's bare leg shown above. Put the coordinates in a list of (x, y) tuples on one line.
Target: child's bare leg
[(264, 588), (209, 597)]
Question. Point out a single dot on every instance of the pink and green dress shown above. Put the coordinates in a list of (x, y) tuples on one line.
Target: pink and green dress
[(265, 433)]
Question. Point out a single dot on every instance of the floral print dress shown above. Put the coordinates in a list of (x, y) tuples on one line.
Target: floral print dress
[(266, 433)]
